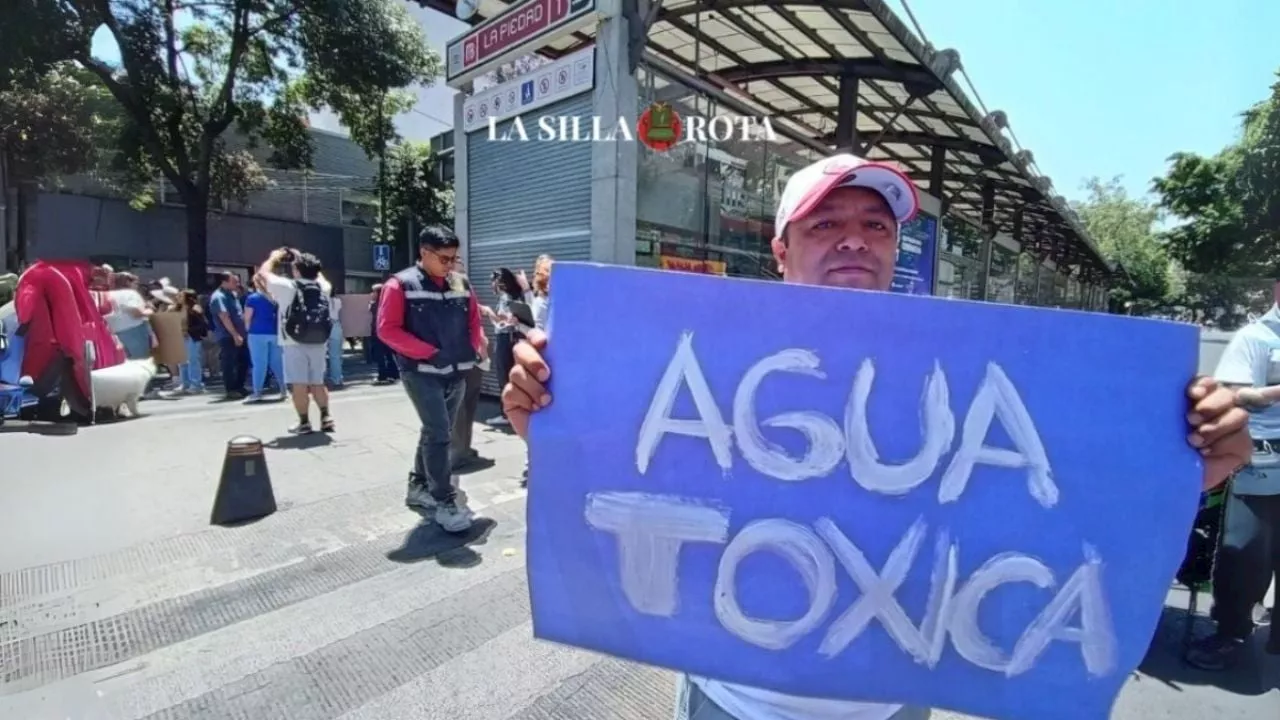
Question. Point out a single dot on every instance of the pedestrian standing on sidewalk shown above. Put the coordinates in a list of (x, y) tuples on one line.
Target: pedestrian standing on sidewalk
[(130, 316), (229, 330), (837, 225), (509, 287), (196, 329), (464, 454), (1248, 557), (380, 356), (428, 316), (261, 318), (302, 303), (334, 375)]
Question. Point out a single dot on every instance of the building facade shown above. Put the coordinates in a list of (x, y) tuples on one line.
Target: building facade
[(330, 211)]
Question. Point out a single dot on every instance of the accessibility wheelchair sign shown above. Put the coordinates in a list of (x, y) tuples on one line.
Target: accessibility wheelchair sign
[(381, 257)]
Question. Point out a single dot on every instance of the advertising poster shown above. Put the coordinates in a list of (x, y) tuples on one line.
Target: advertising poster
[(917, 243), (705, 267)]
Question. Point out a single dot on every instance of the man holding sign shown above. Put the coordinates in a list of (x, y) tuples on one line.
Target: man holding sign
[(837, 225)]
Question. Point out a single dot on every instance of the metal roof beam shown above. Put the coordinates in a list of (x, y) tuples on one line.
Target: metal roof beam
[(862, 68), (714, 5), (899, 137)]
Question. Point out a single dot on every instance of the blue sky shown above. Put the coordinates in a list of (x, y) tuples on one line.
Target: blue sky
[(1111, 87), (1092, 87)]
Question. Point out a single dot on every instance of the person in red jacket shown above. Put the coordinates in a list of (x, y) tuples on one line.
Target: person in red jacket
[(429, 319)]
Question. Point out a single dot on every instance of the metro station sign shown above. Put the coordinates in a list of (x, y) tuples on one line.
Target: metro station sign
[(523, 28)]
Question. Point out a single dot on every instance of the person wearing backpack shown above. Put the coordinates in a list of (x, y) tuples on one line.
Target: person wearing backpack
[(305, 325)]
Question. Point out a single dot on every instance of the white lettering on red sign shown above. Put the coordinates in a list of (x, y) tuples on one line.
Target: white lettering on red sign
[(513, 29)]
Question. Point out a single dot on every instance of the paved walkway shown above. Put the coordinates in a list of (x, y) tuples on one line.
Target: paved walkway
[(118, 600)]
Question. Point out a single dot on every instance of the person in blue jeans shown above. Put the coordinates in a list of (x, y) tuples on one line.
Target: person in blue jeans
[(191, 373), (227, 317), (263, 324), (333, 372)]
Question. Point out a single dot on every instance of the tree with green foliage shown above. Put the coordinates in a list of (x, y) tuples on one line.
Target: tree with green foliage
[(413, 187), (59, 122), (187, 73), (1124, 230)]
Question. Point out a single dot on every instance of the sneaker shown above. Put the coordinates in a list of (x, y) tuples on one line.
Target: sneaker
[(253, 399), (302, 428), (418, 498), (1215, 653), (453, 517), (326, 425), (498, 422)]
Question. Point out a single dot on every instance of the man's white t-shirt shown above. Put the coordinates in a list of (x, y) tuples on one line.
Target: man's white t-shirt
[(119, 319), (748, 703), (282, 289)]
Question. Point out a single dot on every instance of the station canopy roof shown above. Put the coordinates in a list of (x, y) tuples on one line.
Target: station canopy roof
[(785, 59)]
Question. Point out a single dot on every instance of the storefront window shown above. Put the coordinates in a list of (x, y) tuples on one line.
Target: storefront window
[(1004, 266), (1059, 290), (959, 273), (1026, 286), (1047, 275), (709, 207), (1073, 292)]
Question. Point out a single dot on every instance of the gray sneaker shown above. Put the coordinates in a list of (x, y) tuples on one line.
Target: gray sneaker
[(419, 498), (454, 517)]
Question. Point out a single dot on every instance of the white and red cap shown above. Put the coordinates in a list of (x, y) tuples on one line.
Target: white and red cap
[(808, 186)]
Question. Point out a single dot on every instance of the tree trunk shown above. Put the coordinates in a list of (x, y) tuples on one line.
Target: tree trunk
[(197, 245)]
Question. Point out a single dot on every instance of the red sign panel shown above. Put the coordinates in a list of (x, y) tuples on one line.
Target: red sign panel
[(518, 26)]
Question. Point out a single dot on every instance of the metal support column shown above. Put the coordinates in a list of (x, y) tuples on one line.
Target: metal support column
[(937, 188), (1017, 261), (988, 237), (847, 115)]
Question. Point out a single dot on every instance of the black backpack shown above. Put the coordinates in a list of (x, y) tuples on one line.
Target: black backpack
[(308, 321)]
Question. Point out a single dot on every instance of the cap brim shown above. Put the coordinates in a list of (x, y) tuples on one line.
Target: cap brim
[(895, 187)]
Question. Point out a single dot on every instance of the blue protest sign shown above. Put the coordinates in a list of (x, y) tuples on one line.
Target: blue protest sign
[(917, 249), (854, 495), (381, 257)]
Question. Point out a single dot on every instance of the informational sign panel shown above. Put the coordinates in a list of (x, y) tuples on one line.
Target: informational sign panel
[(705, 267), (859, 495), (917, 250), (381, 257), (520, 30), (566, 77)]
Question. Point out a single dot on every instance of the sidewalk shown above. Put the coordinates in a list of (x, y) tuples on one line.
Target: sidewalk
[(119, 600)]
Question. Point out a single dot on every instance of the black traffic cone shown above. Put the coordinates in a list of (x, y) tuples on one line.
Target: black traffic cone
[(244, 490)]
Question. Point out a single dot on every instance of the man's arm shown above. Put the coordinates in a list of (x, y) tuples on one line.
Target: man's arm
[(219, 306), (390, 328), (1243, 367)]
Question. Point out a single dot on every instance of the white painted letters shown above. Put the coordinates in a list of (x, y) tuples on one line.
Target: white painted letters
[(650, 530), (998, 397), (825, 442), (1096, 634), (684, 369), (966, 635), (937, 428), (805, 552)]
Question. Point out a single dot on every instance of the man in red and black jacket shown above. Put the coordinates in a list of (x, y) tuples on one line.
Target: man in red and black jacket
[(429, 318)]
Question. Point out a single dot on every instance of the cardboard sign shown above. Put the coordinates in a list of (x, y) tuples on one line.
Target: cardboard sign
[(171, 337), (863, 496), (357, 321)]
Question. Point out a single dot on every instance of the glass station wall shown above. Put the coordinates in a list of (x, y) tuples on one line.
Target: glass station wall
[(709, 208)]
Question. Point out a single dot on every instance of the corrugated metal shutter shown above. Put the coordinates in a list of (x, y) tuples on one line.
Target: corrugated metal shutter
[(525, 199)]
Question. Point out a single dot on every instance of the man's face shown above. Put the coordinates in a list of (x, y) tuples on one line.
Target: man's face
[(849, 240), (438, 263), (232, 283)]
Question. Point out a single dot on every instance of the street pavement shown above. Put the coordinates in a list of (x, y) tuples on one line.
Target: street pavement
[(119, 600)]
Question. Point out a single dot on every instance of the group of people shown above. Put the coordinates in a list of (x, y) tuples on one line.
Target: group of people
[(429, 324)]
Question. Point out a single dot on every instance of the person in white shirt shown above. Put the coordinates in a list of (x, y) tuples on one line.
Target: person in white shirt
[(837, 225), (334, 374), (305, 326), (130, 316)]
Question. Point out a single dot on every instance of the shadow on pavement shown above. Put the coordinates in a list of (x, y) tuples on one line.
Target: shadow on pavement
[(474, 465), (450, 550), (1164, 660), (39, 428), (300, 442)]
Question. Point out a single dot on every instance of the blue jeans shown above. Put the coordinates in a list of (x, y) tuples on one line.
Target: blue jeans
[(334, 373), (692, 704), (436, 399), (191, 372), (136, 341), (264, 354)]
